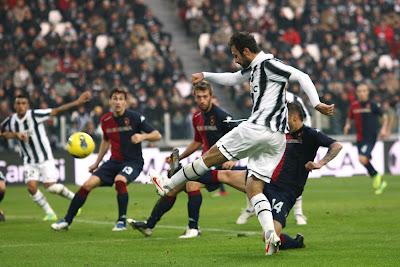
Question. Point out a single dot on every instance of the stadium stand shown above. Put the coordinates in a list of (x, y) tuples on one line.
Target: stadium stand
[(54, 50), (339, 43)]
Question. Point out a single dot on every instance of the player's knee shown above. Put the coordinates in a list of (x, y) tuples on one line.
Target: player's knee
[(2, 187), (192, 186), (32, 189), (120, 187), (363, 160)]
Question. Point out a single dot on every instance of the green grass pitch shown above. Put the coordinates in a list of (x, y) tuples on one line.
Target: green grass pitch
[(347, 226)]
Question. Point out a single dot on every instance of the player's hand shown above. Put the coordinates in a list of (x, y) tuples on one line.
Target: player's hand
[(137, 138), (93, 167), (168, 159), (313, 166), (22, 136), (197, 77), (325, 109), (85, 97), (228, 165)]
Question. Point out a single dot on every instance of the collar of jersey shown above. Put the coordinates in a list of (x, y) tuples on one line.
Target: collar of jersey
[(260, 57), (23, 118)]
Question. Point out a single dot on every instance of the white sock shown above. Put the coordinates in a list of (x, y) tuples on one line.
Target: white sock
[(249, 206), (298, 206), (41, 200), (262, 208), (61, 190), (190, 172)]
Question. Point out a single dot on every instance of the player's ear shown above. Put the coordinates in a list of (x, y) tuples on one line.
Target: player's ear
[(246, 52)]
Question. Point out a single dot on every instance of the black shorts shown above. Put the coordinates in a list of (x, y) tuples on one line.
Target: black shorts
[(111, 168), (281, 203), (214, 186), (365, 148)]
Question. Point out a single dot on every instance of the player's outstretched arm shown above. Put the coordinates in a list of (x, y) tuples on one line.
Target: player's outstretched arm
[(151, 137), (226, 78), (333, 150), (104, 146), (347, 127), (190, 149), (385, 129), (83, 98), (21, 136)]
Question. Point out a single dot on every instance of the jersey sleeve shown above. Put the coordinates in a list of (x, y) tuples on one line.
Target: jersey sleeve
[(145, 126), (41, 115), (5, 125), (228, 78), (282, 72), (322, 139)]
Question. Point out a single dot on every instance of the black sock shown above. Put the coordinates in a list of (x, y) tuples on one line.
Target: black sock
[(76, 203), (122, 198), (210, 177), (2, 195), (287, 242), (222, 188), (163, 205), (194, 204), (371, 170)]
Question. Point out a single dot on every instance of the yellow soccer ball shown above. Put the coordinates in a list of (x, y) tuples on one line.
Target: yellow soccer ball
[(80, 145)]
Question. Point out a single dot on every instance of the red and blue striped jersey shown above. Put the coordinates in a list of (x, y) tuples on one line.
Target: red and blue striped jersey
[(119, 130), (366, 119), (210, 126)]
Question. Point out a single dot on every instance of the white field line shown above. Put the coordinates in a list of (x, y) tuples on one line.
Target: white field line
[(247, 233)]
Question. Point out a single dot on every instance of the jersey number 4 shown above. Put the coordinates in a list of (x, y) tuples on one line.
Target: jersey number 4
[(277, 206)]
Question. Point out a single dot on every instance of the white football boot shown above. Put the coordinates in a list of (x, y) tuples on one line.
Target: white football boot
[(244, 216), (191, 233), (159, 182), (272, 243), (301, 219), (60, 225)]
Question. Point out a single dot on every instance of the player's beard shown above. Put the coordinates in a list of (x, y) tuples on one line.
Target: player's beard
[(246, 63)]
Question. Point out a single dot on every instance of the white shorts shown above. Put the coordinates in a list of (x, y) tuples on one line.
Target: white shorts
[(263, 147), (45, 172)]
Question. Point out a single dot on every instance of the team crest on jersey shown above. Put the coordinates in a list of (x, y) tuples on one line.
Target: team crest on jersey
[(126, 121), (212, 120)]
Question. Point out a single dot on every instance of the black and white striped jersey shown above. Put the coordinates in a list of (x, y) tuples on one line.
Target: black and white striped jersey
[(37, 148), (268, 78)]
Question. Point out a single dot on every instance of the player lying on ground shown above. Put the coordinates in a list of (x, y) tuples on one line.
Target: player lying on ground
[(123, 131), (287, 182), (299, 216), (366, 115), (26, 125), (2, 193), (261, 138)]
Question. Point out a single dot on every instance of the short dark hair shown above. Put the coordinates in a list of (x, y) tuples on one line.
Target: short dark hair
[(203, 86), (241, 40), (119, 91), (23, 95), (296, 108)]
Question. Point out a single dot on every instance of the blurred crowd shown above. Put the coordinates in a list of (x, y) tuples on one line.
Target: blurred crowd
[(339, 43), (56, 49)]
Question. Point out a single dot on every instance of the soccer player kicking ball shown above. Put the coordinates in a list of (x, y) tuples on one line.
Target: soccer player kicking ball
[(210, 123), (365, 114), (124, 131), (261, 138), (26, 125)]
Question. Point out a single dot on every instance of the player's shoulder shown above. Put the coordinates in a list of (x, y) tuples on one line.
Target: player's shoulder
[(133, 113), (219, 111), (196, 114), (106, 117)]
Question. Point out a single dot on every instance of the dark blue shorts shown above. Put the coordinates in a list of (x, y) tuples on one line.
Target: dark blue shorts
[(281, 203), (205, 178), (365, 148), (111, 168)]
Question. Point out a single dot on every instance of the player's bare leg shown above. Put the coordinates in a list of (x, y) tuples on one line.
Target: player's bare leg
[(41, 201), (2, 193), (262, 207), (190, 172)]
